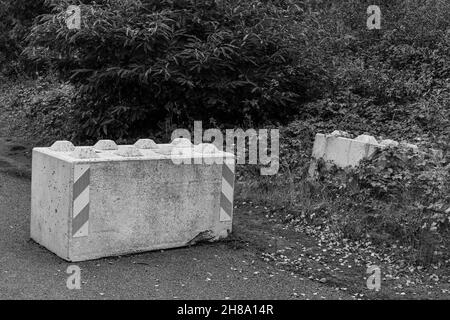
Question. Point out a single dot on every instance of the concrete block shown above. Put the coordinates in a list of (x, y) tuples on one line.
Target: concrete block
[(342, 152), (319, 147), (96, 202)]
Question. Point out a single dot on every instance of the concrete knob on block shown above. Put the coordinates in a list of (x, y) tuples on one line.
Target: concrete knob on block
[(128, 151), (62, 146), (106, 145), (84, 153), (182, 143), (146, 144)]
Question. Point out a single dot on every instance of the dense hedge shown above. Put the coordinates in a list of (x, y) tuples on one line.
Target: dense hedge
[(142, 63), (16, 18), (148, 64)]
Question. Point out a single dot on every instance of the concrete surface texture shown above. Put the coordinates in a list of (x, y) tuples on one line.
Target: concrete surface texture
[(92, 202)]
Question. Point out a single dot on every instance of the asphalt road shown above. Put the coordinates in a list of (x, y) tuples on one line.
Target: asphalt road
[(212, 271)]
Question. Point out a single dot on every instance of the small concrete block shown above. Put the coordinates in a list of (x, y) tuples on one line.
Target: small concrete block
[(62, 146), (339, 133), (128, 151), (389, 143), (320, 144), (146, 144), (106, 145), (182, 143), (84, 153), (206, 148), (366, 139), (341, 151)]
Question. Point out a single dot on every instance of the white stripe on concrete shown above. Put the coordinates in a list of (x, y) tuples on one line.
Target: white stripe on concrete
[(81, 202), (79, 170), (227, 190)]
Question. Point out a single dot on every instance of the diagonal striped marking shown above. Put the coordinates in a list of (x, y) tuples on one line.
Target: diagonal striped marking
[(226, 204), (79, 170), (80, 219), (228, 174), (224, 216), (81, 202), (227, 190), (81, 184), (84, 230)]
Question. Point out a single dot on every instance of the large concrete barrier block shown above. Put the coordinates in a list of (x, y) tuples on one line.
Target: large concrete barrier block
[(92, 202)]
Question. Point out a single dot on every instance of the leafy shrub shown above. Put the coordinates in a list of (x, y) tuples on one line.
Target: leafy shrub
[(397, 197), (16, 18), (141, 63), (40, 111)]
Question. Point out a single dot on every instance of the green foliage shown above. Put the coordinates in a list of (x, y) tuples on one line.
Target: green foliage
[(144, 65), (398, 196), (40, 111), (391, 82), (404, 173), (140, 63), (16, 18)]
